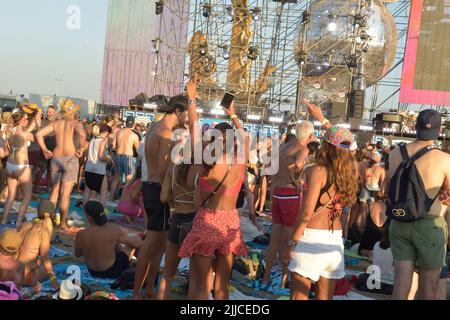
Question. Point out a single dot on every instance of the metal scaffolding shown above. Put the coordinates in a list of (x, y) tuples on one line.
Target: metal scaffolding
[(274, 33)]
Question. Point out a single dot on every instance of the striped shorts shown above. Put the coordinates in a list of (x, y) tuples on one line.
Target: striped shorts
[(124, 165)]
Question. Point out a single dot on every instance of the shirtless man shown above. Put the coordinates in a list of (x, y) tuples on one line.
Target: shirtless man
[(125, 142), (101, 244), (64, 166), (157, 156), (286, 197), (422, 243), (35, 251)]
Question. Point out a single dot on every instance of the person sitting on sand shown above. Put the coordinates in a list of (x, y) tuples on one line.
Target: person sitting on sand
[(131, 203), (35, 250), (100, 244), (10, 268)]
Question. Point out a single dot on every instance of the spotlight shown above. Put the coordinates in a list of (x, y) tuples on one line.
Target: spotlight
[(256, 13), (226, 52), (207, 10), (156, 42), (306, 18), (332, 26), (203, 50), (301, 57), (159, 7), (253, 53)]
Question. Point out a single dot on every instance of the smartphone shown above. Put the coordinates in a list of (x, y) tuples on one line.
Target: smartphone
[(227, 100)]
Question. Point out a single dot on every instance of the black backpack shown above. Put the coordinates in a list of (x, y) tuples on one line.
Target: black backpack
[(407, 199)]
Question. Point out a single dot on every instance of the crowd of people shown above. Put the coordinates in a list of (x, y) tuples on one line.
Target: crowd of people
[(326, 194)]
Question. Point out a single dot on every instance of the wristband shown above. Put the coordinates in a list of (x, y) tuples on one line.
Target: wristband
[(292, 243), (233, 117), (325, 121)]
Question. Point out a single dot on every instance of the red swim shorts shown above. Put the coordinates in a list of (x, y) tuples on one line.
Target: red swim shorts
[(285, 205)]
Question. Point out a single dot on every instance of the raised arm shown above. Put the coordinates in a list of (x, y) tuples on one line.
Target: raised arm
[(242, 135), (40, 140), (194, 124), (317, 114)]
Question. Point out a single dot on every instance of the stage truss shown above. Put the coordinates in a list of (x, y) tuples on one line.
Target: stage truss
[(274, 34)]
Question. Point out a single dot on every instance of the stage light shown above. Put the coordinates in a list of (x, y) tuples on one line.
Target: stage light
[(203, 50), (306, 18), (276, 119), (256, 13), (159, 7), (332, 26), (207, 10), (253, 117), (344, 125), (226, 52), (253, 53), (156, 44), (217, 112), (301, 57)]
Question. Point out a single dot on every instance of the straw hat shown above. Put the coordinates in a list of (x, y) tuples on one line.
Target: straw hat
[(68, 107), (11, 241), (30, 108), (68, 291)]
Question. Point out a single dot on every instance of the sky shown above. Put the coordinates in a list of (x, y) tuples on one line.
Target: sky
[(41, 42)]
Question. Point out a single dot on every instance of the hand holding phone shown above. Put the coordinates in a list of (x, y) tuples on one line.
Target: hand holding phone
[(227, 100)]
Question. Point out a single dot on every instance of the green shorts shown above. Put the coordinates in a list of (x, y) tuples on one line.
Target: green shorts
[(423, 242)]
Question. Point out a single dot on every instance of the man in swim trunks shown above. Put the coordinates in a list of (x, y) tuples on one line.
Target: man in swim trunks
[(64, 166), (157, 155), (286, 197), (101, 244), (125, 143)]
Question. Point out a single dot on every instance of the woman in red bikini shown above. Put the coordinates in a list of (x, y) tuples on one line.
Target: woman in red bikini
[(316, 249), (216, 228)]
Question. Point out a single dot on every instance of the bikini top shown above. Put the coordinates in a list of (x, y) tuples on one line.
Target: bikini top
[(185, 193), (333, 205), (206, 187)]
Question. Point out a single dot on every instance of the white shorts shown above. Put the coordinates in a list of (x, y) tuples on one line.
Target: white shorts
[(319, 253)]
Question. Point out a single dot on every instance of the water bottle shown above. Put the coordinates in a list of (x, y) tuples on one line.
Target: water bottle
[(58, 219)]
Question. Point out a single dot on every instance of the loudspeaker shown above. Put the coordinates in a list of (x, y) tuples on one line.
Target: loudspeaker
[(356, 104)]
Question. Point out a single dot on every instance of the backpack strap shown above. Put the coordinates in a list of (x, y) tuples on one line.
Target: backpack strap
[(422, 152), (404, 152)]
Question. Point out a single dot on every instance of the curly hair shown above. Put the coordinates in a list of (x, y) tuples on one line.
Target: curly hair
[(341, 165)]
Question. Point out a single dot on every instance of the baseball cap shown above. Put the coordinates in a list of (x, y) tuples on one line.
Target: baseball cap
[(11, 241), (339, 137), (96, 211), (428, 125), (178, 102), (130, 121)]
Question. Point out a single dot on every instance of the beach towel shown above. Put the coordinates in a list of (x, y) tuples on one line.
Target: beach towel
[(57, 253)]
